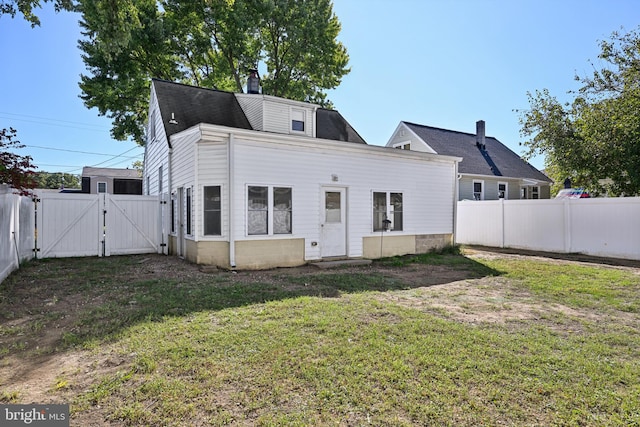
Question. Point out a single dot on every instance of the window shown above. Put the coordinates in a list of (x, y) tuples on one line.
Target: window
[(188, 211), (212, 211), (403, 146), (478, 193), (173, 213), (102, 187), (387, 211), (127, 186), (502, 190), (297, 120), (152, 126), (269, 210), (535, 192), (281, 210), (160, 180), (523, 192)]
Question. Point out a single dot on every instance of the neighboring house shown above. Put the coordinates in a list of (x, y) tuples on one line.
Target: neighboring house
[(488, 170), (111, 180), (256, 181)]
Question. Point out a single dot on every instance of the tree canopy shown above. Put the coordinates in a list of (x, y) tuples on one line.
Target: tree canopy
[(594, 140), (26, 8), (208, 43), (15, 170), (55, 180)]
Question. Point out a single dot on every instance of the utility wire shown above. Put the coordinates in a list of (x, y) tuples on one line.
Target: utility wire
[(46, 120), (77, 151)]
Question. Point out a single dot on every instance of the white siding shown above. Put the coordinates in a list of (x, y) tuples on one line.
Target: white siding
[(276, 117), (156, 153), (490, 187), (404, 135), (212, 161), (183, 167), (427, 187), (252, 107)]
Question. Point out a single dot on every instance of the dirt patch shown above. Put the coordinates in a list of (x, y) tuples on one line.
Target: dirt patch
[(39, 310)]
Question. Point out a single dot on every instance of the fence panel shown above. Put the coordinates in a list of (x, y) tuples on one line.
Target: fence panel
[(537, 226), (480, 223), (607, 227), (132, 224), (16, 231), (68, 225)]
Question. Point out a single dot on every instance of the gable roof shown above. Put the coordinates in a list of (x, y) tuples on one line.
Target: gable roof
[(496, 160), (111, 172), (190, 105), (183, 106)]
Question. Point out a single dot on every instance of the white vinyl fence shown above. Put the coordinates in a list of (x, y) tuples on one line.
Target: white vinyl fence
[(52, 225), (16, 230), (606, 227)]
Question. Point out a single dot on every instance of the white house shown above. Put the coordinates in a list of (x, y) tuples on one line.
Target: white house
[(256, 181), (489, 170)]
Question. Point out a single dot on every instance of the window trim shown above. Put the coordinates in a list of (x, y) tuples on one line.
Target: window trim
[(188, 200), (506, 190), (535, 192), (389, 211), (271, 210), (473, 188), (152, 126), (294, 119), (106, 187), (220, 210), (404, 145)]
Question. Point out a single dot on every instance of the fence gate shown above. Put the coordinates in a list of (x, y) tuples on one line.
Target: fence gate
[(97, 225)]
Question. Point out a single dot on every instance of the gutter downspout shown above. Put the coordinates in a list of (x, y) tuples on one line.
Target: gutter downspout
[(231, 172), (456, 196)]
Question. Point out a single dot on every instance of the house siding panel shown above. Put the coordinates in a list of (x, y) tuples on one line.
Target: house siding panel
[(156, 154), (212, 170), (276, 117), (427, 188), (252, 107)]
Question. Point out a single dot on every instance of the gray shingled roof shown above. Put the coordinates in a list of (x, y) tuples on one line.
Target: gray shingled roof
[(192, 105), (331, 125), (497, 159)]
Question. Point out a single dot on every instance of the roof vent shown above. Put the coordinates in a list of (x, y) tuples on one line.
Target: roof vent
[(173, 120), (253, 82), (480, 135)]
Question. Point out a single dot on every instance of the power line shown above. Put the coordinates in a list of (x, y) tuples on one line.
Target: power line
[(62, 123), (115, 157), (77, 151)]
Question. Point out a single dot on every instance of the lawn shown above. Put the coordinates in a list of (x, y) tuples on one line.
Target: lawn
[(441, 339)]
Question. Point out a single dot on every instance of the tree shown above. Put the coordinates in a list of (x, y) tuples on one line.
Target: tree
[(15, 170), (55, 180), (25, 7), (208, 43), (595, 139)]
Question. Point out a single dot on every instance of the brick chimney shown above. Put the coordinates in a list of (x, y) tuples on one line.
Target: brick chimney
[(253, 82), (480, 134)]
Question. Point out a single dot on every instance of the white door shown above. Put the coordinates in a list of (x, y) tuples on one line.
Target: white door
[(333, 222)]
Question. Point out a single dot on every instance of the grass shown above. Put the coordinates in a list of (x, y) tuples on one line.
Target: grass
[(323, 348)]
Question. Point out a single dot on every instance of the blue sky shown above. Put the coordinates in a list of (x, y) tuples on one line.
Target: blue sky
[(439, 63)]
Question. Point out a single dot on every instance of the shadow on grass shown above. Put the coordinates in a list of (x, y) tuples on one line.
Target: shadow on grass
[(89, 300)]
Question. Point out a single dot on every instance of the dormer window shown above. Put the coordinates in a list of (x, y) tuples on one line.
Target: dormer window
[(297, 120)]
